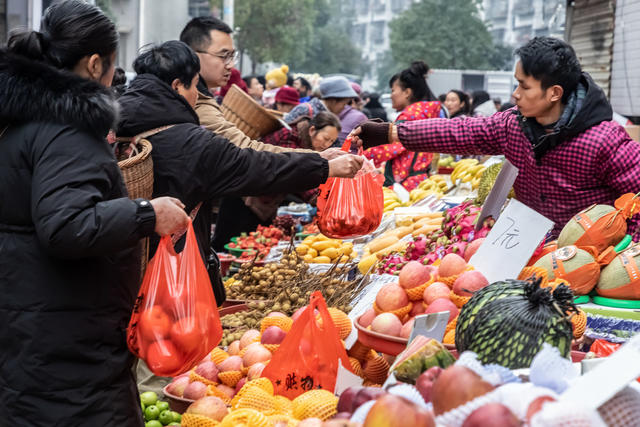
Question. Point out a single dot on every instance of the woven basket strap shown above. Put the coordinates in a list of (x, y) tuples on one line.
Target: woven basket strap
[(143, 135)]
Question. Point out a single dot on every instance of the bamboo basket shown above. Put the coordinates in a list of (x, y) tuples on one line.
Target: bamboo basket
[(248, 116)]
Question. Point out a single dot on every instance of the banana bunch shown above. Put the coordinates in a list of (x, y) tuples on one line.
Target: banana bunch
[(468, 170), (435, 184), (391, 200)]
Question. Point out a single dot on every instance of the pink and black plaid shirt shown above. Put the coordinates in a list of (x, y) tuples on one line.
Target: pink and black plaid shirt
[(594, 167)]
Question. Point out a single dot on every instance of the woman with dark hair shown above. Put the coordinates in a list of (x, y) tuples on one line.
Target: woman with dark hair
[(69, 253), (457, 103), (411, 96), (481, 104), (374, 109), (198, 166)]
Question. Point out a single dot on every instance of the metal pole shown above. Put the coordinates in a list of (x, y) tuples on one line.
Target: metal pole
[(227, 12)]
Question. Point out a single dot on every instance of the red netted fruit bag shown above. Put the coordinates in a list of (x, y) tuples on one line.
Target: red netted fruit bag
[(307, 358), (351, 207), (175, 321)]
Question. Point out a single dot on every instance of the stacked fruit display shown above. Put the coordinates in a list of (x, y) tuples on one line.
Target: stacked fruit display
[(422, 290), (391, 200), (156, 412), (323, 250), (259, 241), (468, 170), (457, 235), (286, 285), (435, 184)]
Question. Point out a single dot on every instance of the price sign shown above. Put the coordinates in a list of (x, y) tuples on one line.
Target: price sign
[(511, 242)]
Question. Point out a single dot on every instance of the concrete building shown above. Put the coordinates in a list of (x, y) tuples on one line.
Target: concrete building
[(514, 22), (370, 30), (139, 22)]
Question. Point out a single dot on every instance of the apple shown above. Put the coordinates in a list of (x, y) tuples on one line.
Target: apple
[(249, 337), (234, 348), (240, 384), (154, 324), (226, 390), (443, 304), (208, 370), (255, 371), (391, 297), (195, 390), (148, 398), (163, 358), (231, 363), (417, 309), (434, 291), (492, 414), (396, 411), (345, 402), (387, 323), (424, 383), (414, 274), (273, 335), (456, 386), (407, 328), (469, 282), (367, 317), (177, 386), (472, 248), (451, 265), (210, 407), (255, 353), (366, 394)]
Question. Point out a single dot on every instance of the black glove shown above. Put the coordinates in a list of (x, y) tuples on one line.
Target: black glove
[(375, 132)]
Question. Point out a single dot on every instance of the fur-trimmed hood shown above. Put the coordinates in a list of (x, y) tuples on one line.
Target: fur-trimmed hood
[(34, 91)]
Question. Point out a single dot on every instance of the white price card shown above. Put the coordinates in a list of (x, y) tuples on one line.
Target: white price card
[(511, 242), (345, 379)]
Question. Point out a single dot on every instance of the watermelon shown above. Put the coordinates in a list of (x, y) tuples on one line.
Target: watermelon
[(507, 322)]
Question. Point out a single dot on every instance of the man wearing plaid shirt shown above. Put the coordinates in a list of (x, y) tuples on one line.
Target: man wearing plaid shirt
[(569, 153)]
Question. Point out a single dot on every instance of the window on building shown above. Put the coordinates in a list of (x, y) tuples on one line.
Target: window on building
[(17, 14), (199, 8), (362, 7), (497, 9), (377, 32), (359, 34), (379, 6)]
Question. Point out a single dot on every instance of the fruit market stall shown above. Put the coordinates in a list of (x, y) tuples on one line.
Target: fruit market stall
[(326, 331)]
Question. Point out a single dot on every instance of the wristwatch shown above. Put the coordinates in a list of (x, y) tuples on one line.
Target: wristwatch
[(145, 216)]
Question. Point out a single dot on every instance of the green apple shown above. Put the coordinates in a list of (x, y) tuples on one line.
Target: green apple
[(165, 417), (153, 423), (176, 417), (163, 406), (151, 413), (149, 398)]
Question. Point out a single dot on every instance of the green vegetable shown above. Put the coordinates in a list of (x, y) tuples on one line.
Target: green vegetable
[(507, 322)]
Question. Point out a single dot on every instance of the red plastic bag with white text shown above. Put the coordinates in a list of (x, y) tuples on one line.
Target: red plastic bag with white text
[(175, 321), (307, 358), (351, 207)]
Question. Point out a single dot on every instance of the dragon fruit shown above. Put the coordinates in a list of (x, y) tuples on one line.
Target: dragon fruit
[(457, 231)]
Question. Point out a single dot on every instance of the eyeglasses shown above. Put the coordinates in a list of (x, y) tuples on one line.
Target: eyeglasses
[(227, 57)]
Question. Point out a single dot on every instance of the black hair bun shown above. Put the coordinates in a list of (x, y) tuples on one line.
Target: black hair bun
[(30, 44), (419, 68)]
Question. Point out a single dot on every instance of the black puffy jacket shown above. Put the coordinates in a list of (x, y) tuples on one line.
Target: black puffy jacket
[(69, 263), (194, 165)]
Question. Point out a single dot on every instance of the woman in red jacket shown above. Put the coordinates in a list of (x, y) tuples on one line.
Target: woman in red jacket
[(410, 94)]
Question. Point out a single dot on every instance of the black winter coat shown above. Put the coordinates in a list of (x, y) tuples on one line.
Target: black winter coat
[(194, 165), (69, 263)]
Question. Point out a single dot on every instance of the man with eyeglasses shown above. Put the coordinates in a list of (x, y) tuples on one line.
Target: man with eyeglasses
[(211, 39)]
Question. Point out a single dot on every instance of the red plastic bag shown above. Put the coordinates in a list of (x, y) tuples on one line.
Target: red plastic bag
[(175, 321), (603, 348), (351, 207), (308, 357)]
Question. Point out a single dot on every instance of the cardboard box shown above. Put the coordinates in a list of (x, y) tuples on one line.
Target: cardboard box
[(633, 131)]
